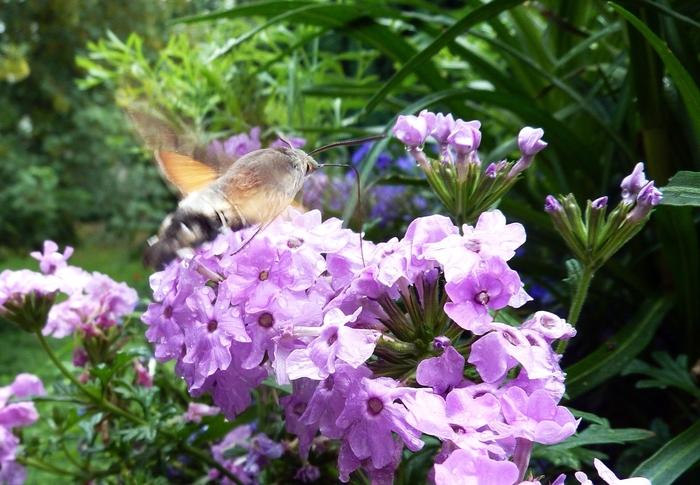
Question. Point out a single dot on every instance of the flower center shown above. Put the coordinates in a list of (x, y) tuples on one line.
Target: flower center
[(266, 320), (332, 339), (212, 325), (299, 408), (482, 298), (168, 312), (375, 405), (294, 242), (264, 274)]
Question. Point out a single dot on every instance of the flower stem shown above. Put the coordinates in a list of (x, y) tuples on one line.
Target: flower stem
[(96, 399), (584, 282), (100, 401)]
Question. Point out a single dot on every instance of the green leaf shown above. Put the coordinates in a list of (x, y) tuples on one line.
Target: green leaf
[(686, 86), (669, 373), (674, 458), (619, 351), (474, 17), (682, 189)]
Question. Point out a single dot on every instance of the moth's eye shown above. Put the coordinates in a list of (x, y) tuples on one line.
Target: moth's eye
[(309, 169)]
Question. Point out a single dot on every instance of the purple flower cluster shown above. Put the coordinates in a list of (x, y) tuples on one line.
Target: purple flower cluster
[(298, 302), (595, 237), (458, 141), (94, 301), (259, 451), (238, 145), (13, 415)]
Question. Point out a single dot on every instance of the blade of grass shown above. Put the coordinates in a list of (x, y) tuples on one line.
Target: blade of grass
[(473, 18), (674, 458), (686, 86)]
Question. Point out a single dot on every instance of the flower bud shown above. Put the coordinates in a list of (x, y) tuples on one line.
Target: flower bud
[(633, 183)]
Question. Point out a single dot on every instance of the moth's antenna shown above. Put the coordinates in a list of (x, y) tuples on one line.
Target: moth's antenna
[(359, 201), (346, 143), (284, 139)]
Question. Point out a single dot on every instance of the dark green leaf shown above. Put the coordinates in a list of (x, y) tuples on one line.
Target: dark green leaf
[(686, 86), (619, 351), (674, 458), (682, 189), (474, 17)]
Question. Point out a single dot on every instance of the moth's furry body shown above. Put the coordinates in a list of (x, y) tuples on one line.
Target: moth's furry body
[(219, 190), (252, 190)]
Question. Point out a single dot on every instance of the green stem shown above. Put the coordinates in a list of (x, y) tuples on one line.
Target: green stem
[(100, 401), (42, 465), (96, 399), (577, 301)]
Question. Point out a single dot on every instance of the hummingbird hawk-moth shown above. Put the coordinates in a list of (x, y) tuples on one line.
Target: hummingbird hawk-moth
[(219, 190)]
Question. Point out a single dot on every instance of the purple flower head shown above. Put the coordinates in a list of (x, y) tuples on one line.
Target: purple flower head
[(530, 141), (504, 347), (14, 285), (413, 130), (609, 477), (384, 160), (26, 385), (550, 326), (295, 406), (212, 329), (537, 417), (494, 169), (237, 437), (633, 183), (600, 203), (465, 137), (647, 198), (444, 125), (51, 260), (143, 377), (459, 418), (491, 237), (489, 287), (552, 205), (467, 468), (330, 397), (237, 145), (443, 372), (369, 418), (336, 342), (196, 411)]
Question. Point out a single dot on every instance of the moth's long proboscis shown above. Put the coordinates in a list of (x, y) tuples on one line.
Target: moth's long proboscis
[(346, 143)]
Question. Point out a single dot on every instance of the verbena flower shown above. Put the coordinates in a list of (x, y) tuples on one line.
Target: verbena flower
[(369, 336), (13, 415)]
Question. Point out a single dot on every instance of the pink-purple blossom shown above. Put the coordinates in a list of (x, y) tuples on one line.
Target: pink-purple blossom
[(633, 183)]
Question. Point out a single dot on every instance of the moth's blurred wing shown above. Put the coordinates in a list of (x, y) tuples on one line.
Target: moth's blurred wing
[(165, 138), (186, 173)]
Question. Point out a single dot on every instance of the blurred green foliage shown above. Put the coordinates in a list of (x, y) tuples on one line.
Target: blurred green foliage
[(66, 154)]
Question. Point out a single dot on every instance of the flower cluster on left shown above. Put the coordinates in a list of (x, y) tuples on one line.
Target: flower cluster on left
[(13, 415)]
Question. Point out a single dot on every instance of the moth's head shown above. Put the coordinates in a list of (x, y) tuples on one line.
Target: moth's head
[(300, 159)]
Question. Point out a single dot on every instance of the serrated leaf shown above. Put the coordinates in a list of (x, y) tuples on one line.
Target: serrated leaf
[(619, 351), (669, 373), (682, 189), (674, 458)]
